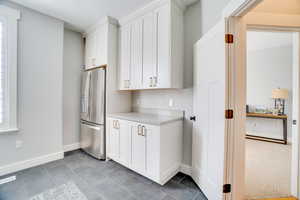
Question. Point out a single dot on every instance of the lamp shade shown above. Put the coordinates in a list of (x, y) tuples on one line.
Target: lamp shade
[(280, 93)]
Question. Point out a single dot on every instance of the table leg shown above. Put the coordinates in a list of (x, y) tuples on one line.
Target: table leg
[(285, 130)]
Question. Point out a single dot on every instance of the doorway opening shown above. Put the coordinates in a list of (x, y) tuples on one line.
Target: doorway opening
[(269, 113)]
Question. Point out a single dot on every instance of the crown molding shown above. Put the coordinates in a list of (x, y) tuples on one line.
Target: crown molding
[(103, 21)]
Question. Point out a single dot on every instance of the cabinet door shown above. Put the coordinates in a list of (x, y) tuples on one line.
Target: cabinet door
[(125, 143), (137, 55), (149, 66), (90, 56), (163, 52), (125, 57), (152, 149), (114, 139), (138, 149), (101, 46)]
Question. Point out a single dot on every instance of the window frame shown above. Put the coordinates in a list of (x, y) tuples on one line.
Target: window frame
[(10, 19)]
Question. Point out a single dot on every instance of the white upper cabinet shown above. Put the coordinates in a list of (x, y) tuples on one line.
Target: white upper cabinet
[(163, 59), (96, 47), (101, 40), (155, 47), (149, 47), (125, 59), (90, 50), (136, 54)]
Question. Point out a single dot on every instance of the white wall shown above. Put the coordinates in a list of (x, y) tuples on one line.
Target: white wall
[(269, 66), (40, 73), (73, 60)]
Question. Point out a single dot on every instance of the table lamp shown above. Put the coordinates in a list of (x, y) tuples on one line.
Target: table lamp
[(280, 95)]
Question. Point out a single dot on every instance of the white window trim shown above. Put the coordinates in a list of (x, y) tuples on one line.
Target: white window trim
[(11, 17)]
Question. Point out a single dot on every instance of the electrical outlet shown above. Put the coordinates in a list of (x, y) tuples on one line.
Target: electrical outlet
[(171, 102), (19, 144)]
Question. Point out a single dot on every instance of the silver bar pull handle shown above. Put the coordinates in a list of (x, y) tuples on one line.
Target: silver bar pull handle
[(144, 131), (93, 61), (140, 131), (151, 82), (126, 83), (118, 124), (155, 81)]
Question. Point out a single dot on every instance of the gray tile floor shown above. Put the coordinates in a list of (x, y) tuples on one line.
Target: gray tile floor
[(98, 180)]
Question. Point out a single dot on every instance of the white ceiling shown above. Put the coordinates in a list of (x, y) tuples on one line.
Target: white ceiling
[(80, 14), (258, 40)]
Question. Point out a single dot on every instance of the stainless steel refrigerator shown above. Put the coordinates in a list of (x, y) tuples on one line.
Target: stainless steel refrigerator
[(93, 91)]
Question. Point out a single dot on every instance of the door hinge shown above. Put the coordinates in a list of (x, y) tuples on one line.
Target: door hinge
[(226, 188), (228, 114), (229, 38)]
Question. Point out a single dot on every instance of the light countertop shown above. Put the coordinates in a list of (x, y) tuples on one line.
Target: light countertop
[(146, 118)]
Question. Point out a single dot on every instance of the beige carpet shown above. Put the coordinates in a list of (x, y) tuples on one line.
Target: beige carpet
[(268, 170)]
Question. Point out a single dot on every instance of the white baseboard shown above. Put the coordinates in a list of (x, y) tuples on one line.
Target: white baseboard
[(18, 166), (7, 180), (71, 147), (186, 169)]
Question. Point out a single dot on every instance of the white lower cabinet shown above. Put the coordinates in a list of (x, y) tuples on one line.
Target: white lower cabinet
[(138, 138), (152, 151), (119, 144), (115, 140)]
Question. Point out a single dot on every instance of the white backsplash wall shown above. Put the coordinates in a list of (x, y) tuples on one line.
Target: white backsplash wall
[(267, 69), (73, 60), (182, 99)]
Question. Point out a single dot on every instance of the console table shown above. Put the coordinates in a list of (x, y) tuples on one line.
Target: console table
[(270, 116)]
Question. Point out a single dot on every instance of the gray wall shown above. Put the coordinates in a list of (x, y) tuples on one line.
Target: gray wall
[(73, 60), (211, 12), (40, 64)]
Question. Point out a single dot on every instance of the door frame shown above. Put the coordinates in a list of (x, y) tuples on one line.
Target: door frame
[(236, 80)]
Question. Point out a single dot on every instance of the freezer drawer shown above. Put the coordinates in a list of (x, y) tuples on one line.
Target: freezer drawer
[(92, 139)]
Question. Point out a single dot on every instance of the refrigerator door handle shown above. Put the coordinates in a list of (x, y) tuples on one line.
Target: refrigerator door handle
[(89, 96), (90, 126)]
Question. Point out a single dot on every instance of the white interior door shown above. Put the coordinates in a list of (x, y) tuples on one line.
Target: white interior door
[(295, 113), (209, 107)]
